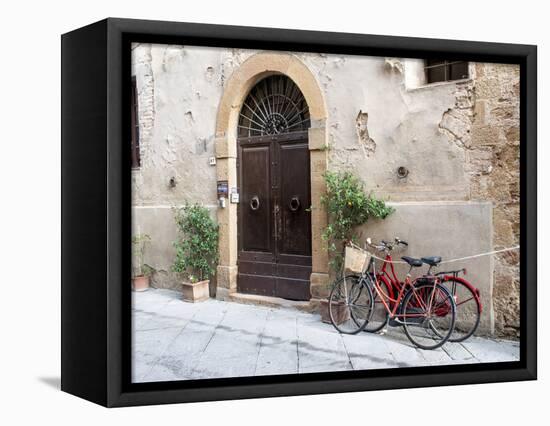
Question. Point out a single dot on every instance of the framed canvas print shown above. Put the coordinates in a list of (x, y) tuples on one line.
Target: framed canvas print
[(253, 212)]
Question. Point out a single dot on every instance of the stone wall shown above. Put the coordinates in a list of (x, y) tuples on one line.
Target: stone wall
[(485, 122), (494, 172)]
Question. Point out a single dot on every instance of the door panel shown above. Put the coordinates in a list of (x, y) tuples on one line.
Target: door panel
[(296, 272), (257, 284), (293, 289), (274, 257), (255, 211), (295, 232)]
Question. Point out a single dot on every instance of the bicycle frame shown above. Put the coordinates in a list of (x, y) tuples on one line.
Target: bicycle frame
[(386, 299), (393, 282)]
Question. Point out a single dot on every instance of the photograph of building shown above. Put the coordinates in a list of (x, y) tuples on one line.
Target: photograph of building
[(239, 143)]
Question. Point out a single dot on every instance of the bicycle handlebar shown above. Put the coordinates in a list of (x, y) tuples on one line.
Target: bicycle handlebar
[(385, 245), (398, 241)]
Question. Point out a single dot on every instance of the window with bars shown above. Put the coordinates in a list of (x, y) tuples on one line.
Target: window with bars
[(274, 106), (438, 70), (135, 126)]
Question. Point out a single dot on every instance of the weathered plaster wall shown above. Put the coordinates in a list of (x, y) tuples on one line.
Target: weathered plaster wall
[(458, 141), (176, 115), (426, 227), (402, 129), (177, 126)]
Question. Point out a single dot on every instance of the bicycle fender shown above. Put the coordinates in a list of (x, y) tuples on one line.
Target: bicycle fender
[(474, 290)]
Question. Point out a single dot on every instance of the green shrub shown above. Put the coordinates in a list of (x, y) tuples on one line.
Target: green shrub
[(197, 245), (147, 270), (348, 206)]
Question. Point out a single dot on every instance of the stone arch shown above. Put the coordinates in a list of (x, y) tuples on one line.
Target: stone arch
[(237, 88)]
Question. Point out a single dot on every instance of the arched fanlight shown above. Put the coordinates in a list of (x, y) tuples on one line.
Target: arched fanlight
[(274, 106)]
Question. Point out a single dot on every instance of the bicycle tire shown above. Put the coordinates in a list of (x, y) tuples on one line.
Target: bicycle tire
[(357, 287), (456, 336), (405, 308), (375, 327)]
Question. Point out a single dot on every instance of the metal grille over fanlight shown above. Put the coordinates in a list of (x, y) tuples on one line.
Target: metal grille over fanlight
[(274, 106)]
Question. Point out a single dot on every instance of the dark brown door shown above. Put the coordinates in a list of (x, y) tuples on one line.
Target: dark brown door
[(274, 218)]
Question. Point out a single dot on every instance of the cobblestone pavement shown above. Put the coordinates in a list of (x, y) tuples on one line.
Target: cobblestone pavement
[(175, 340)]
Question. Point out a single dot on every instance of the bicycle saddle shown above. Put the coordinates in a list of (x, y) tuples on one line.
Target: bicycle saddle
[(432, 260), (412, 261)]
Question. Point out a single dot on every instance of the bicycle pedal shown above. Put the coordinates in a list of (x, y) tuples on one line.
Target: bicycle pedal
[(395, 322)]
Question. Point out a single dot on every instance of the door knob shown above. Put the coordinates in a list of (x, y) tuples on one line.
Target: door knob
[(294, 203), (255, 203)]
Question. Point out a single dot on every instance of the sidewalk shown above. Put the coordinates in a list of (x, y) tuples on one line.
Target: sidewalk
[(175, 340)]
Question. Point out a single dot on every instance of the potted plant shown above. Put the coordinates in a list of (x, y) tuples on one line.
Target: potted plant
[(141, 272), (196, 251), (348, 206)]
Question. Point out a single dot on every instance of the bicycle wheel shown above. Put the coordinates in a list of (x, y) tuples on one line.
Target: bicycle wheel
[(380, 315), (468, 309), (422, 315), (350, 304)]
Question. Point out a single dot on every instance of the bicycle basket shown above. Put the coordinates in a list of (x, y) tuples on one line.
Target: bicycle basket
[(355, 258)]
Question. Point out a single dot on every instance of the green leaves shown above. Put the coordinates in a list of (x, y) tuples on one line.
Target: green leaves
[(147, 270), (348, 206), (197, 247)]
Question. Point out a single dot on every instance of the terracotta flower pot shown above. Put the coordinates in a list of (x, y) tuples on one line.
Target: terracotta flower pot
[(140, 283), (339, 310), (196, 292)]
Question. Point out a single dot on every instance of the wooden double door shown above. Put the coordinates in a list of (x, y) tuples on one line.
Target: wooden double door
[(274, 218)]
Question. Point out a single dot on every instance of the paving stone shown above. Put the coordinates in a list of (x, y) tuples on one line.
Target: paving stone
[(435, 356), (488, 350), (368, 351), (176, 340), (278, 352), (175, 313), (140, 320), (147, 347), (150, 300), (166, 370), (400, 347), (183, 354), (233, 349), (458, 352), (320, 347)]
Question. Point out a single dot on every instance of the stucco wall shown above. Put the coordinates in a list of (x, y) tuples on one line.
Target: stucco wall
[(425, 226), (380, 117)]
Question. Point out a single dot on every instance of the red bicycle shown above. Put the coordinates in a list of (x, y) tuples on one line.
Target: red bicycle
[(465, 295), (425, 310)]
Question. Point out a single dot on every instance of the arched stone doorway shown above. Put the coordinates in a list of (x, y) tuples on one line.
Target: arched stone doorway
[(273, 177), (254, 69)]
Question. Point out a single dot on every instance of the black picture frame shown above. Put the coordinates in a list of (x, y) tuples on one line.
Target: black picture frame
[(96, 212)]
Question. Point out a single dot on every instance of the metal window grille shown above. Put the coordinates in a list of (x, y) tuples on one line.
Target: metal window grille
[(274, 106), (444, 70)]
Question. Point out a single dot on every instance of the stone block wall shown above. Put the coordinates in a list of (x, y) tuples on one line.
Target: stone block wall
[(484, 121), (494, 170)]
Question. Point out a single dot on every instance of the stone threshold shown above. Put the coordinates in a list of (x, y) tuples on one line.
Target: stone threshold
[(273, 302)]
